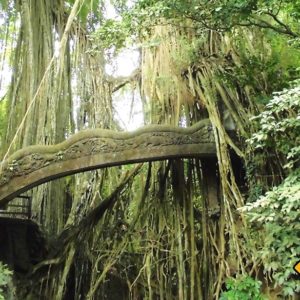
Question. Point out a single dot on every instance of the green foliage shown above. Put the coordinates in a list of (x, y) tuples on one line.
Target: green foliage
[(242, 287), (223, 15), (278, 211), (186, 53), (255, 192), (113, 33), (5, 278), (219, 15), (279, 125), (262, 13)]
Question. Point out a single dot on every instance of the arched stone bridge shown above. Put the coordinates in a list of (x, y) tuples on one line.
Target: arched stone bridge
[(97, 148)]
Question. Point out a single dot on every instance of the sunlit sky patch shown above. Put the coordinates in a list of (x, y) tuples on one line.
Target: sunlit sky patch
[(127, 103)]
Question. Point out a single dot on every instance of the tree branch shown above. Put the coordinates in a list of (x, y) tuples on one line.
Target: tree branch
[(287, 28), (119, 82)]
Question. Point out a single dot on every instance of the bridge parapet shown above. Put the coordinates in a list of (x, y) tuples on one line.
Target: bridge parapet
[(96, 148)]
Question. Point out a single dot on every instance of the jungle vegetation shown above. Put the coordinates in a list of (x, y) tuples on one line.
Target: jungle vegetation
[(153, 230)]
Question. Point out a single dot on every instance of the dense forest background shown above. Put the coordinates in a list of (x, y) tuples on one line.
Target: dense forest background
[(153, 230)]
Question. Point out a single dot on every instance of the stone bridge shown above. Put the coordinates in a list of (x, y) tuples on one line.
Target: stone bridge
[(97, 148)]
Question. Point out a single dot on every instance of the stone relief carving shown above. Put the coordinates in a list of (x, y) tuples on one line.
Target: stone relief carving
[(97, 142)]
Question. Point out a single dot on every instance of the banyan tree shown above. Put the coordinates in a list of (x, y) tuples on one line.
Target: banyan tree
[(176, 228)]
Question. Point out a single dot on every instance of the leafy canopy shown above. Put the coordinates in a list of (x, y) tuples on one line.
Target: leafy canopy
[(280, 16)]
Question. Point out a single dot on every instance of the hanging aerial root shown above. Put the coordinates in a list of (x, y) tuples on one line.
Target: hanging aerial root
[(70, 238)]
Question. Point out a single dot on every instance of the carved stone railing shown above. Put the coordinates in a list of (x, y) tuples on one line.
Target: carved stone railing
[(97, 148)]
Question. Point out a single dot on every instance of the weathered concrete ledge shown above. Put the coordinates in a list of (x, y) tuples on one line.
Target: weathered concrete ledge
[(98, 148)]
